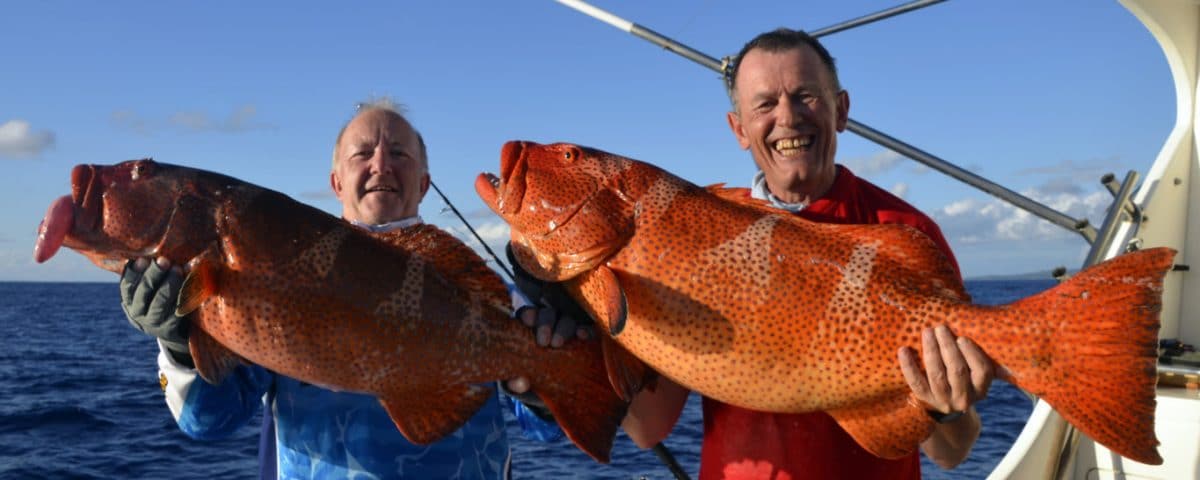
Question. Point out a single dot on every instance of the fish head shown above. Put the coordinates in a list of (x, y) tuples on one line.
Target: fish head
[(566, 206), (133, 209)]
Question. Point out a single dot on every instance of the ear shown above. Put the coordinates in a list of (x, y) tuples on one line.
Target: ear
[(424, 184), (843, 110), (335, 184), (735, 124)]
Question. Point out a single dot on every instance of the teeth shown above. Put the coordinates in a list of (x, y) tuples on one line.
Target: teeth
[(788, 143), (495, 181)]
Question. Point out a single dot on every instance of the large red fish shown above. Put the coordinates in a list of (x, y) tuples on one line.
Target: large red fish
[(762, 309), (413, 317)]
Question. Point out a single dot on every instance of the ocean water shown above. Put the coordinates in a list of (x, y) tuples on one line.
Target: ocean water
[(79, 398)]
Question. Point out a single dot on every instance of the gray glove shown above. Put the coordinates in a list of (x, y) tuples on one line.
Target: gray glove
[(148, 296)]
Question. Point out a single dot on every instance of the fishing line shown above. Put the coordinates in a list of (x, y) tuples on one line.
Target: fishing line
[(660, 450), (503, 266)]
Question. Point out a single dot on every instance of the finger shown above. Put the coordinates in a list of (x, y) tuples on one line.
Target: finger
[(983, 369), (528, 316), (166, 298), (143, 296), (958, 374), (911, 368), (935, 371), (163, 262), (584, 332), (564, 328), (131, 277), (544, 325), (518, 385)]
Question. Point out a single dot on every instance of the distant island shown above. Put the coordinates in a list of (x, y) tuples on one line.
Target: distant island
[(1039, 275)]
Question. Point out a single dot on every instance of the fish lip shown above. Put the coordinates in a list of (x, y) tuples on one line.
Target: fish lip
[(513, 165), (86, 193)]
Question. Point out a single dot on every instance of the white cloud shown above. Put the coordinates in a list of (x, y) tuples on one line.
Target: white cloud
[(973, 220), (874, 164), (241, 119), (18, 139), (900, 189)]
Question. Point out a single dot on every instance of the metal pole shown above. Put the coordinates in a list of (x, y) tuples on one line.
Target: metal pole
[(1080, 226), (1020, 201), (874, 17)]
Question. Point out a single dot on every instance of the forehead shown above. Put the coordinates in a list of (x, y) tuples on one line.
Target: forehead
[(373, 125), (761, 71)]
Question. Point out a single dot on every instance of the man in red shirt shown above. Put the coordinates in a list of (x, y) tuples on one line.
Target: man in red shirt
[(788, 108)]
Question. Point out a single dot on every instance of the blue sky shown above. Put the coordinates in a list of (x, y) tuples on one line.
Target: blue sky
[(1043, 97)]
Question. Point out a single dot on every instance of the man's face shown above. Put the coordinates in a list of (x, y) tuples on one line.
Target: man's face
[(378, 175), (789, 113)]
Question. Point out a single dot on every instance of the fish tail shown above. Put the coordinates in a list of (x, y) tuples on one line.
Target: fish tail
[(1088, 347), (581, 399)]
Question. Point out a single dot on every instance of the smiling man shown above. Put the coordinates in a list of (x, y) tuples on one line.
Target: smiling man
[(380, 173), (379, 169), (788, 109)]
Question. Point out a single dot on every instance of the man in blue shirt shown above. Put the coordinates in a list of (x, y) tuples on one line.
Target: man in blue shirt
[(380, 174)]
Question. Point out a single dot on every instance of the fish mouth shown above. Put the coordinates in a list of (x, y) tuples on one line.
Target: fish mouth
[(70, 216), (504, 194)]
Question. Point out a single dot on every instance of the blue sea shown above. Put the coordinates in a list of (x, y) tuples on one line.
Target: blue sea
[(79, 398)]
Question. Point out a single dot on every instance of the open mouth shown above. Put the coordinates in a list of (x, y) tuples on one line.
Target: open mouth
[(793, 145), (76, 214)]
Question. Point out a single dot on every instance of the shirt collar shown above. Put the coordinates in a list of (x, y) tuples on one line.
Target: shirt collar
[(387, 227)]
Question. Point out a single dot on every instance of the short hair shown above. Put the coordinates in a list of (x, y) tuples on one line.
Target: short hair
[(386, 104), (779, 40)]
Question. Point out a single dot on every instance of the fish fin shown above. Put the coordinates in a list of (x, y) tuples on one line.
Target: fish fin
[(213, 361), (200, 284), (890, 428), (608, 305), (577, 392), (427, 418), (627, 373), (599, 292), (1088, 347), (452, 259)]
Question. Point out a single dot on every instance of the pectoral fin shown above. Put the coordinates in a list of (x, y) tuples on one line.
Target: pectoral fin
[(603, 298), (201, 283)]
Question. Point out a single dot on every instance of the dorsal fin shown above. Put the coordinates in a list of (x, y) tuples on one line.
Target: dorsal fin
[(453, 259)]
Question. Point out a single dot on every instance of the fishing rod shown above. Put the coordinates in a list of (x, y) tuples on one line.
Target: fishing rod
[(659, 449)]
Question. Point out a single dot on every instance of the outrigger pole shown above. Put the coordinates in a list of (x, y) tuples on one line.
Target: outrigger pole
[(723, 67)]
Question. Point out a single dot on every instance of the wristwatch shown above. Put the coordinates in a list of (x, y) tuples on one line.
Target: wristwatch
[(940, 417)]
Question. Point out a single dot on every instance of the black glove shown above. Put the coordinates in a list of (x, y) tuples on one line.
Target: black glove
[(556, 309), (148, 298)]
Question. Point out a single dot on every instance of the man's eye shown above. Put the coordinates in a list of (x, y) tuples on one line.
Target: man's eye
[(398, 153)]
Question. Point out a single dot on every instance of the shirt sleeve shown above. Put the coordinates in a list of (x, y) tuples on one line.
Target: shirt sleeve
[(205, 411)]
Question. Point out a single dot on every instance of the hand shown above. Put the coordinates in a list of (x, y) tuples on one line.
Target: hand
[(554, 315), (149, 293), (957, 373)]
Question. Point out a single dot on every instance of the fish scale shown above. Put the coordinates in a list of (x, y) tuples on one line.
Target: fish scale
[(762, 309), (413, 316)]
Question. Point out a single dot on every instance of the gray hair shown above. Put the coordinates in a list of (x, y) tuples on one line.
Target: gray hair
[(386, 104)]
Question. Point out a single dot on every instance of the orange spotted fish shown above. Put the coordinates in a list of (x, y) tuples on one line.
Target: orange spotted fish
[(762, 309), (413, 317)]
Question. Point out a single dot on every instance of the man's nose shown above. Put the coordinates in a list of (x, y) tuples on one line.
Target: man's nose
[(788, 112), (381, 161)]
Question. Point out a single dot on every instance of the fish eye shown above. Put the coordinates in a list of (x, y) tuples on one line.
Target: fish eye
[(568, 155), (140, 168)]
